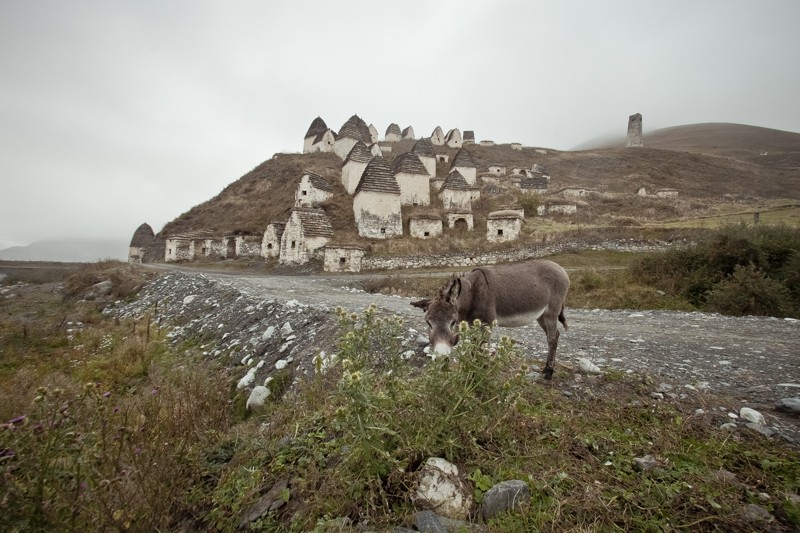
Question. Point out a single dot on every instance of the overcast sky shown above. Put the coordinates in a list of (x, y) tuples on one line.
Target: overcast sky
[(116, 113)]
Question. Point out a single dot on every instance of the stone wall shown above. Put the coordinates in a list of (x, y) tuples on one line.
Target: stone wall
[(491, 258)]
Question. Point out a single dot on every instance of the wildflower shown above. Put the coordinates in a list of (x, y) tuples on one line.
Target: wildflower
[(17, 420), (106, 394), (354, 317), (476, 323), (463, 326), (154, 391), (116, 409)]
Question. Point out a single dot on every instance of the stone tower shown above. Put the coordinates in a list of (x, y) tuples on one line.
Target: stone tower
[(634, 139)]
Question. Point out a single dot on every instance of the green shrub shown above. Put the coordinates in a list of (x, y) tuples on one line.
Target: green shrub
[(760, 261), (749, 292)]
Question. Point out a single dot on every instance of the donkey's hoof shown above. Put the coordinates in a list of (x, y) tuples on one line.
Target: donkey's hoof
[(548, 374)]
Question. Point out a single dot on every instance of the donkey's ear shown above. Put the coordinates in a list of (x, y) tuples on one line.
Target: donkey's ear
[(422, 304), (453, 291)]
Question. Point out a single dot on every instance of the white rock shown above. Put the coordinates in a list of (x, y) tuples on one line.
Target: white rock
[(588, 367), (286, 330), (292, 303), (189, 299), (257, 397), (751, 415), (442, 489), (268, 333), (249, 309), (247, 379), (280, 364)]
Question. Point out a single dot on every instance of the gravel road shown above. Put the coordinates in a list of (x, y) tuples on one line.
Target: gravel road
[(753, 360)]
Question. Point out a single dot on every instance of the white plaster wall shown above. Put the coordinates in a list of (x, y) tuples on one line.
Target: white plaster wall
[(308, 142), (437, 137), (351, 175), (270, 238), (307, 195), (392, 137), (177, 250), (380, 226), (509, 227), (135, 254), (470, 174), (430, 164), (453, 217), (325, 144), (415, 189), (417, 227), (248, 246), (343, 146), (456, 200), (376, 203), (333, 260), (497, 170)]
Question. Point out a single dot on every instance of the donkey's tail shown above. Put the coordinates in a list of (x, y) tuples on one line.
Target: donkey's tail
[(562, 319)]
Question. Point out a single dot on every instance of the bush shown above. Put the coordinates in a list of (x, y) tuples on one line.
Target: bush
[(760, 261), (749, 292)]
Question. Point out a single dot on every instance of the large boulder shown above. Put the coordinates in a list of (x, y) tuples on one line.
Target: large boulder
[(442, 488), (505, 496)]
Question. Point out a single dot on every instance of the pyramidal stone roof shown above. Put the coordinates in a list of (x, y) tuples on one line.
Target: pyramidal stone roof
[(360, 153), (315, 223), (317, 126), (408, 163), (278, 227), (318, 181), (423, 147), (393, 129), (378, 177), (143, 236), (455, 182), (463, 159), (355, 128)]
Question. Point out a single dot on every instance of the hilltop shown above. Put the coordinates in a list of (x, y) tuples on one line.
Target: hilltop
[(705, 162)]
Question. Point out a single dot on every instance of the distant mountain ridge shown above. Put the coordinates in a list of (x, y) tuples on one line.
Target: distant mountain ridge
[(69, 251)]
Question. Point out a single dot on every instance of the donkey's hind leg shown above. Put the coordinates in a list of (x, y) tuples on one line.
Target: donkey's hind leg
[(550, 326)]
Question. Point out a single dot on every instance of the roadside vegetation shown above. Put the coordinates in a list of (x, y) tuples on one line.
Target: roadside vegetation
[(738, 269), (109, 426)]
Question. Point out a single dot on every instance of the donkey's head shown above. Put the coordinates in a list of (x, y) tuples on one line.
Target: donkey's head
[(441, 315)]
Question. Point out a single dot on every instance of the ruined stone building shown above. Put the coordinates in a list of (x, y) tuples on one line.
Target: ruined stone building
[(634, 138), (354, 165), (437, 137), (271, 242), (408, 133), (412, 178), (393, 133), (306, 233), (343, 258), (425, 226), (503, 226), (141, 249), (352, 131), (469, 137), (534, 185), (497, 169), (465, 165), (453, 138), (456, 194), (319, 138), (312, 190), (423, 148), (376, 203), (460, 220)]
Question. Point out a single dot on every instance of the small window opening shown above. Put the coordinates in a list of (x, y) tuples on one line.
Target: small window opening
[(383, 231), (294, 245), (305, 193), (342, 260), (499, 232), (269, 246), (427, 234)]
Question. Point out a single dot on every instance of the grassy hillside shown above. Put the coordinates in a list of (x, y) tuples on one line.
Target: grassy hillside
[(709, 164)]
